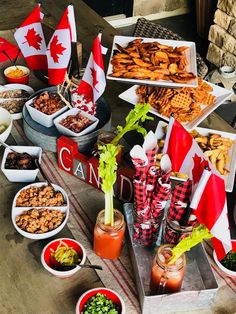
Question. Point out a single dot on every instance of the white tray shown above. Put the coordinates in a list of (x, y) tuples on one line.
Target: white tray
[(221, 95), (191, 57), (231, 165)]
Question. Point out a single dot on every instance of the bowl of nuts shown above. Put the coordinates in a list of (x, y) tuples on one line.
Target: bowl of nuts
[(62, 257), (45, 107), (5, 124), (75, 122), (21, 166), (40, 211)]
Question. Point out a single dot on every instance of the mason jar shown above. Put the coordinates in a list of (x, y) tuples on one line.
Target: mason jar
[(173, 232), (108, 239), (166, 277)]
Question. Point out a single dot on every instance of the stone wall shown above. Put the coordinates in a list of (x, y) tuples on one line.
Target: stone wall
[(144, 7), (222, 35)]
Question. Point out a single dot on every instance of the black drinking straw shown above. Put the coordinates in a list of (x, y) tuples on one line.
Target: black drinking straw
[(6, 54)]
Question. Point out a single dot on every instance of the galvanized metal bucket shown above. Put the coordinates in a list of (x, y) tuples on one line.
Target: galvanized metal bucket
[(47, 137)]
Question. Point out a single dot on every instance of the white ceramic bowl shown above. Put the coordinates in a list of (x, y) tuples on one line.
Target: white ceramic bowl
[(63, 130), (16, 175), (48, 264), (111, 294), (5, 118), (19, 210), (40, 117), (224, 269), (17, 115)]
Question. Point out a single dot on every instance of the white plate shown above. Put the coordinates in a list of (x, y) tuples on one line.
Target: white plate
[(221, 95), (231, 165), (191, 57), (63, 130), (17, 115)]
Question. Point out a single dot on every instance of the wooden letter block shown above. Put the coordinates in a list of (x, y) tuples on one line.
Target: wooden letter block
[(80, 166), (125, 184), (92, 172), (66, 149)]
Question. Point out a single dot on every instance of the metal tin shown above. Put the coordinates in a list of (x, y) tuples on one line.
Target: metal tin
[(47, 137), (199, 285)]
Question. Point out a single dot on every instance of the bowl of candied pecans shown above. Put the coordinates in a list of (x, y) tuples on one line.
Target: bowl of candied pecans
[(62, 257), (21, 166), (40, 211), (75, 122), (45, 107)]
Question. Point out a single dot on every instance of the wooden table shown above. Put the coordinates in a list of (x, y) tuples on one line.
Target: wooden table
[(25, 286)]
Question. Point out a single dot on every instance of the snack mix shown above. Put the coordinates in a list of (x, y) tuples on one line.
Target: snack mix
[(39, 196), (40, 220)]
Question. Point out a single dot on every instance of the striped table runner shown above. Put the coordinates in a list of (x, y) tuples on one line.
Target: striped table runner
[(117, 275)]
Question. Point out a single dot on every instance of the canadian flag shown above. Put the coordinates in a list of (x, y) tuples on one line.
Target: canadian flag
[(210, 207), (93, 82), (59, 49), (185, 154), (30, 39)]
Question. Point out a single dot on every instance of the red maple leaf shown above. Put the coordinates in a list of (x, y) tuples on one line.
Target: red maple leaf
[(56, 49), (199, 165), (94, 76), (33, 39)]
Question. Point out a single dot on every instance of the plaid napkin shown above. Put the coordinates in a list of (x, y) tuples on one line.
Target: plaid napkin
[(179, 208), (142, 206), (145, 231), (180, 201), (160, 194)]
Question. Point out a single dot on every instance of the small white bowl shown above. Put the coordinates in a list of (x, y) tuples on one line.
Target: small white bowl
[(16, 175), (224, 269), (5, 118), (40, 117), (17, 115), (65, 131), (47, 263), (19, 210), (111, 294)]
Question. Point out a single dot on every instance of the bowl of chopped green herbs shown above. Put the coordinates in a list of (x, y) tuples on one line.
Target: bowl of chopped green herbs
[(100, 300), (227, 264)]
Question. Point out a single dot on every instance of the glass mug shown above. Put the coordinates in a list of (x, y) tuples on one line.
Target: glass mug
[(108, 239), (167, 278)]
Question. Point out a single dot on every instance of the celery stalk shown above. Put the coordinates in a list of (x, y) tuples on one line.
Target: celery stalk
[(107, 171), (198, 234), (135, 116)]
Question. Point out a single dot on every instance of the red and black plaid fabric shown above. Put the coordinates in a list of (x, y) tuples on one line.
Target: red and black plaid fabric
[(151, 180), (142, 205), (160, 194), (173, 235), (140, 167), (145, 232), (180, 201), (152, 157)]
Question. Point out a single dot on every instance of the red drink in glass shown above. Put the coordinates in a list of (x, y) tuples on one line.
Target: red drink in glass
[(167, 278)]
